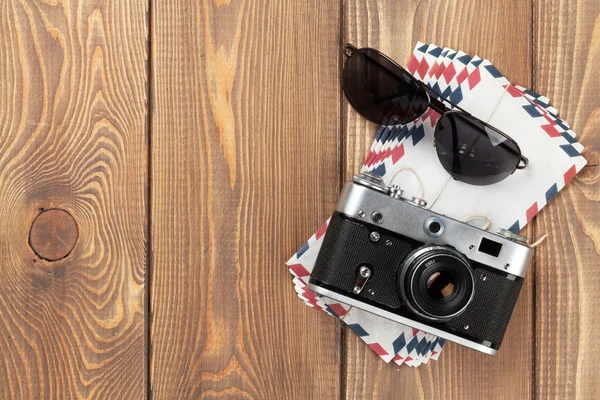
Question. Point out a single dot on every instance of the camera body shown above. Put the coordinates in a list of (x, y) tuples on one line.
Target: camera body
[(393, 257)]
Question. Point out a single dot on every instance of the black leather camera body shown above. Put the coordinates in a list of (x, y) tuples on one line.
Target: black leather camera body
[(393, 257)]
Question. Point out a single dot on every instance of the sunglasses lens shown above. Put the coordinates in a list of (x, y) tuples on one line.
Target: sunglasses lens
[(381, 91), (473, 152)]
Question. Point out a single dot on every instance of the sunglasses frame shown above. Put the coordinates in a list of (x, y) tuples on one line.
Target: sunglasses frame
[(437, 105)]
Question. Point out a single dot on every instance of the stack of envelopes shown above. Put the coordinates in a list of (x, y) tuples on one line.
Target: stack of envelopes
[(404, 155)]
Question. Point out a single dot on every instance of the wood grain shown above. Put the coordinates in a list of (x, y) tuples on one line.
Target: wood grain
[(72, 138), (237, 87), (481, 28), (567, 46), (245, 167)]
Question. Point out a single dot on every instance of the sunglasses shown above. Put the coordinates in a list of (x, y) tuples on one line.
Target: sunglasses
[(469, 149)]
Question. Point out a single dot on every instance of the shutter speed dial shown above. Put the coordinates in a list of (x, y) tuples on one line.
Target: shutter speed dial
[(376, 182), (418, 201)]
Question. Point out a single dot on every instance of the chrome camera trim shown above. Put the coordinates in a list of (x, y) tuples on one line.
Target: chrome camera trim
[(406, 218), (397, 318)]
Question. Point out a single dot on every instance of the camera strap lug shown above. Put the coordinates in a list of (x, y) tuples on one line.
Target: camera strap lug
[(512, 236)]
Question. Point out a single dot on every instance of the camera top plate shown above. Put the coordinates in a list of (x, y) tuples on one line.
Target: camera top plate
[(404, 217)]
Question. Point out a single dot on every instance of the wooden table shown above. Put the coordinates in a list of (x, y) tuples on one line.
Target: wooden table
[(161, 160)]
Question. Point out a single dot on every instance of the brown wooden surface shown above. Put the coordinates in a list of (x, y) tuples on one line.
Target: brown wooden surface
[(73, 138), (246, 138), (567, 280), (168, 132)]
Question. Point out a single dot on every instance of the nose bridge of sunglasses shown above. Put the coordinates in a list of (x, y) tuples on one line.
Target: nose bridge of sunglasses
[(437, 106)]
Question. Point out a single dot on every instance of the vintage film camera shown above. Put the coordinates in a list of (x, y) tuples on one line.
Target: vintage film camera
[(391, 256)]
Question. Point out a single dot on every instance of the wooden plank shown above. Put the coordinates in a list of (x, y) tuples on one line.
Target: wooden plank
[(245, 167), (567, 48), (73, 170), (499, 31)]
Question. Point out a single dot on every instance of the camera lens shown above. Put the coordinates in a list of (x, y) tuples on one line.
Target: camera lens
[(436, 282), (440, 285)]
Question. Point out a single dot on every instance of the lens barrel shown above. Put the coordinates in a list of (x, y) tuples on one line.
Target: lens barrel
[(436, 282)]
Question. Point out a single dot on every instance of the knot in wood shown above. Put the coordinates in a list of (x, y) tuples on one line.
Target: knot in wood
[(53, 234)]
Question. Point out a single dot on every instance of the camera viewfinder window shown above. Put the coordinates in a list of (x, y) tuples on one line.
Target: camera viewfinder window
[(490, 247)]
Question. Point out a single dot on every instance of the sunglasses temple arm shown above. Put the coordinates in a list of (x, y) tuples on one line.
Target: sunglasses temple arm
[(438, 104), (435, 104)]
